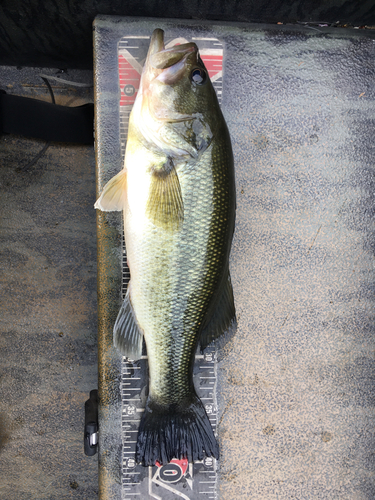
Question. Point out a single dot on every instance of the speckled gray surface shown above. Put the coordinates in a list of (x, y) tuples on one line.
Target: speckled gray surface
[(48, 338), (296, 397)]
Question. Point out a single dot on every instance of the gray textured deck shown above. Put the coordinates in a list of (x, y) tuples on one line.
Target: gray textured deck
[(297, 385), (48, 339)]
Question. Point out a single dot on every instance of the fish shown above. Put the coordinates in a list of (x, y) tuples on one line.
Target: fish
[(177, 195)]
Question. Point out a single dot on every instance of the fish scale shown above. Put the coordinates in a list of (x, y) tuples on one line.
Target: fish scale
[(206, 202)]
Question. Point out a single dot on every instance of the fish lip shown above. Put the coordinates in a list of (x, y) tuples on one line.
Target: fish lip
[(167, 65), (173, 73), (166, 58), (156, 43)]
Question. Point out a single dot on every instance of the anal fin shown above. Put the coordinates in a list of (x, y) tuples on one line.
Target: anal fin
[(127, 334), (223, 317)]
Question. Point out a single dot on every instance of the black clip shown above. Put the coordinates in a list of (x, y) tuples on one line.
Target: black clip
[(90, 439)]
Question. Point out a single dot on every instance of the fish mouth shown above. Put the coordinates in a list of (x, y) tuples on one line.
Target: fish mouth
[(163, 70), (168, 65)]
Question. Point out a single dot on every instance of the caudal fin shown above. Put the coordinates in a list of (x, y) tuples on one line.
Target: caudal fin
[(175, 432)]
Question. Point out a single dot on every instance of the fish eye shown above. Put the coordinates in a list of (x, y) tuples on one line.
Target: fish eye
[(198, 76)]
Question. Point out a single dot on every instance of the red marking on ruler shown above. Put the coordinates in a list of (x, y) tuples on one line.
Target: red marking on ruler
[(129, 81), (214, 64), (130, 77), (183, 463)]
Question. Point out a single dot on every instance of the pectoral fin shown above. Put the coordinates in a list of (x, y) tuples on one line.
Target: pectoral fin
[(223, 318), (113, 196), (165, 206)]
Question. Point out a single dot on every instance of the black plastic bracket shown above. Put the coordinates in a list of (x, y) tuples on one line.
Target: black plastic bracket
[(91, 424)]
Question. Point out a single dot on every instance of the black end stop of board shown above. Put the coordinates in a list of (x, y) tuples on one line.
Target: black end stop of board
[(90, 439)]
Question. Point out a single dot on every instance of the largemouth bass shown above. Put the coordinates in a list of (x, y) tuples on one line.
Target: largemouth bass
[(177, 194)]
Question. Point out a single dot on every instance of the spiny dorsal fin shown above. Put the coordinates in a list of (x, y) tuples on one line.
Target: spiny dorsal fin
[(223, 317), (165, 206), (113, 196), (127, 334)]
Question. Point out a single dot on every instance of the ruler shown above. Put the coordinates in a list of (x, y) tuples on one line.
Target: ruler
[(178, 479)]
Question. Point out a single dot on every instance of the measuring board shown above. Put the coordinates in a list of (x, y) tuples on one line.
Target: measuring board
[(178, 479)]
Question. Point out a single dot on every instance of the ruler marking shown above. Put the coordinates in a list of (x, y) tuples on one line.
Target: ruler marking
[(213, 49)]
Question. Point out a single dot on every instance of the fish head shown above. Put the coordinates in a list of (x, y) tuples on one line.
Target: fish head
[(176, 106)]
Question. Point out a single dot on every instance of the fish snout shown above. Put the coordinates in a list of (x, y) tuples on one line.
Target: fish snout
[(156, 43), (168, 65), (168, 57)]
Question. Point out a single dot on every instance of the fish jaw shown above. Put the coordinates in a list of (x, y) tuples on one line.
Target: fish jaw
[(163, 69), (173, 73), (170, 61), (167, 111)]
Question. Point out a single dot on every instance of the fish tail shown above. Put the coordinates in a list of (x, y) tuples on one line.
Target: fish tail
[(175, 431)]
